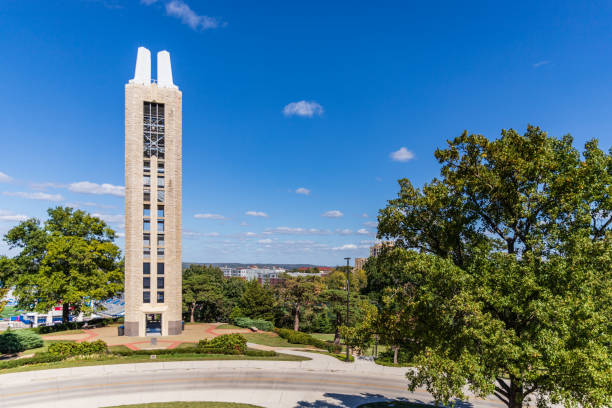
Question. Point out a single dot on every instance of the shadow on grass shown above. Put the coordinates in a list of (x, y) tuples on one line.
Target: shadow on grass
[(369, 400)]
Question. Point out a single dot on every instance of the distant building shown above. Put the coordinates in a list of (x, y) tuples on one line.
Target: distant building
[(359, 263), (378, 247)]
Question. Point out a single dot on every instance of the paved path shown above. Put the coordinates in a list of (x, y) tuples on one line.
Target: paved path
[(321, 382)]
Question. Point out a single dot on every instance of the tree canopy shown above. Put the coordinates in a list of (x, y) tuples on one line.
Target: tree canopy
[(508, 256), (71, 259)]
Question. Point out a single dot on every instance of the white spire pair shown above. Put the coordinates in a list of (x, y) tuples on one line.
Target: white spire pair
[(143, 69)]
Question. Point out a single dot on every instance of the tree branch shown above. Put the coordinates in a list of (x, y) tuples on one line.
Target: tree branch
[(505, 401)]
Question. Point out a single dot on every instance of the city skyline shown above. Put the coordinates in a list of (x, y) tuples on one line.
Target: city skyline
[(290, 146)]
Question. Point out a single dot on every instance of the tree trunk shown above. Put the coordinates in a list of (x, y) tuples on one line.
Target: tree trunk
[(191, 318), (296, 321), (65, 312), (516, 393), (395, 354), (337, 335)]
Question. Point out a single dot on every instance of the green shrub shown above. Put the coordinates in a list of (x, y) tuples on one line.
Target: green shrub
[(39, 358), (66, 349), (73, 325), (226, 343), (15, 341), (296, 337), (260, 324)]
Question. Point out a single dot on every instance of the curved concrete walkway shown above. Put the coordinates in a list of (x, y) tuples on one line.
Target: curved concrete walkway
[(322, 381)]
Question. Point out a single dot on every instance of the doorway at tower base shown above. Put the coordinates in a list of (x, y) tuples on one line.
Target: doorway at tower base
[(152, 326)]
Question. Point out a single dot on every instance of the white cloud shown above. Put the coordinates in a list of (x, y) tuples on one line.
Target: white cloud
[(5, 178), (256, 213), (209, 217), (114, 218), (303, 190), (371, 224), (148, 2), (120, 234), (345, 247), (180, 10), (87, 187), (345, 231), (11, 216), (332, 214), (364, 215), (363, 231), (303, 108), (265, 241), (244, 224), (34, 196), (402, 155), (296, 231), (540, 63), (250, 234)]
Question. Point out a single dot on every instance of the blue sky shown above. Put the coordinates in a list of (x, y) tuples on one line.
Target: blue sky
[(280, 96)]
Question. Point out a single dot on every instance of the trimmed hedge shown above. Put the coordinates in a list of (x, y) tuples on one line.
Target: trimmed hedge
[(260, 324), (226, 343), (39, 358), (74, 325), (260, 353), (15, 341), (296, 337), (66, 349)]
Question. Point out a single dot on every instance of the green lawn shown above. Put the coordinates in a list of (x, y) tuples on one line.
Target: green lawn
[(188, 405), (270, 339), (323, 336), (228, 326), (395, 404), (108, 360)]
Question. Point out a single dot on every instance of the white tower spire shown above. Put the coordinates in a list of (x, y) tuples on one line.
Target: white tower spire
[(142, 75), (164, 70)]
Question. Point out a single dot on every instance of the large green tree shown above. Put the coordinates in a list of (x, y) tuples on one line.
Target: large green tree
[(203, 292), (297, 293), (258, 301), (71, 259), (509, 254)]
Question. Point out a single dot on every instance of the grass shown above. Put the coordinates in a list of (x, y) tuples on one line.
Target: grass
[(270, 339), (228, 326), (109, 360), (188, 405), (64, 333), (394, 404), (323, 336)]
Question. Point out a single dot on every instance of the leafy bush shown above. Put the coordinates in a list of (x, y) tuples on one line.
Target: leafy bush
[(227, 344), (66, 349), (37, 359), (73, 325), (260, 324), (296, 337), (15, 341)]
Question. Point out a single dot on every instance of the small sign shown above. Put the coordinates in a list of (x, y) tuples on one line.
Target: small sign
[(153, 357)]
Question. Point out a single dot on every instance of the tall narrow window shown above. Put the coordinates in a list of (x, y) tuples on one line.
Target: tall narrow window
[(160, 168), (146, 252), (160, 252), (146, 210), (146, 297), (160, 196), (154, 129), (146, 268), (146, 282), (160, 182), (160, 283), (146, 240), (146, 195), (160, 226), (146, 225), (147, 166), (160, 268), (160, 211), (160, 297), (146, 181), (160, 240)]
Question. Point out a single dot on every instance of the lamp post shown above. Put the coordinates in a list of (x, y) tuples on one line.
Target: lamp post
[(348, 284)]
